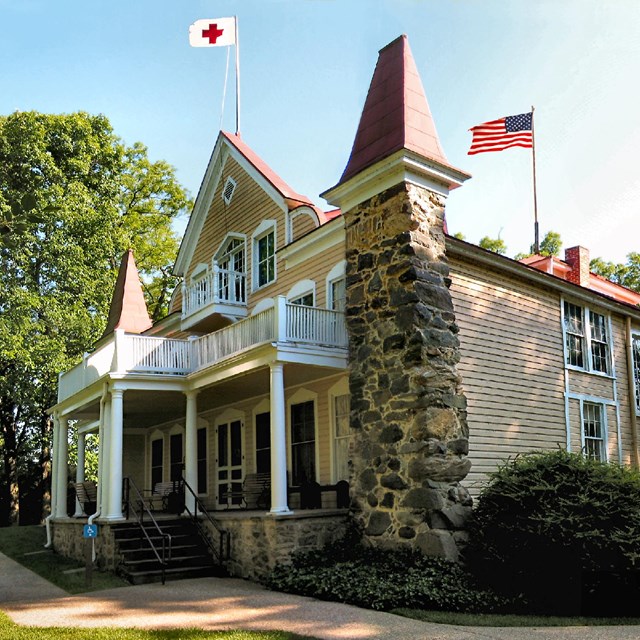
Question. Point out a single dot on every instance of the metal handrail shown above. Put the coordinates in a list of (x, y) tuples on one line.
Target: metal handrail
[(165, 558), (223, 553)]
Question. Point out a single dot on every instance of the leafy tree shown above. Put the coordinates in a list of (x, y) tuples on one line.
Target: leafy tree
[(81, 197), (496, 245), (550, 246), (627, 275)]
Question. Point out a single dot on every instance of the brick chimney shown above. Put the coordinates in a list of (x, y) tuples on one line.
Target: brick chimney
[(578, 259)]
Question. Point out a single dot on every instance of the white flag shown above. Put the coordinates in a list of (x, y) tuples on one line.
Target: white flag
[(216, 32)]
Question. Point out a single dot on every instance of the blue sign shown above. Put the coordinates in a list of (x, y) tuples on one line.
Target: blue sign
[(90, 531)]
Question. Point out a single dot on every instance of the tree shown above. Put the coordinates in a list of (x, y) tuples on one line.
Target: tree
[(82, 198), (549, 246), (496, 245), (627, 275)]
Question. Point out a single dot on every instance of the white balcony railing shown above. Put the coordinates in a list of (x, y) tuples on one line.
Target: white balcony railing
[(128, 353), (219, 286)]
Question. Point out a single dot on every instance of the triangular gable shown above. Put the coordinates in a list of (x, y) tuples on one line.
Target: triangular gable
[(232, 146)]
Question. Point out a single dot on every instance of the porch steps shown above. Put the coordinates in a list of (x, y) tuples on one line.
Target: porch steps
[(190, 555)]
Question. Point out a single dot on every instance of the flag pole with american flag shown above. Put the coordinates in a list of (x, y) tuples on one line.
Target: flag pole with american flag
[(504, 133), (219, 32)]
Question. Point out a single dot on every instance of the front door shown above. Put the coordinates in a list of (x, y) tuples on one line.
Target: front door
[(229, 463)]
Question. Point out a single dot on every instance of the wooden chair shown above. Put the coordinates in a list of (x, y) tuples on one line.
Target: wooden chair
[(159, 496)]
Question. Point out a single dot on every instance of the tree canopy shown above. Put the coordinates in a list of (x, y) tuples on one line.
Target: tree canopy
[(627, 274), (73, 198)]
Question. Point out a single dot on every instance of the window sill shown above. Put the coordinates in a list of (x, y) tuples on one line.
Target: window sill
[(608, 376)]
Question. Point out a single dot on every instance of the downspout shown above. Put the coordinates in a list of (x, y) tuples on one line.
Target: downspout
[(632, 395), (95, 515)]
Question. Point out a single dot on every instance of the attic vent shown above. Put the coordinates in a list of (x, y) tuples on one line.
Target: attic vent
[(229, 188)]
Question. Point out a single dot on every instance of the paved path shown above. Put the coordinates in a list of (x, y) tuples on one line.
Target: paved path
[(214, 603)]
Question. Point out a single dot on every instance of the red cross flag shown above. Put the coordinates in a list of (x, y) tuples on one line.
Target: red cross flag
[(214, 32)]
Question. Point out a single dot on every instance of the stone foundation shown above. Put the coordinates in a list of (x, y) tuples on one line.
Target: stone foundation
[(408, 411), (259, 541), (69, 542)]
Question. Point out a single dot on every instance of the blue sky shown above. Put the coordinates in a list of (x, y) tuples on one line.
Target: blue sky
[(305, 70)]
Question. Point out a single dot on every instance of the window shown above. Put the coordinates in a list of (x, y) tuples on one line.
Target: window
[(574, 330), (263, 442), (599, 343), (230, 267), (305, 300), (593, 431), (303, 443), (342, 436), (265, 253), (635, 341), (202, 460), (339, 294), (263, 243), (156, 461), (175, 455), (586, 339)]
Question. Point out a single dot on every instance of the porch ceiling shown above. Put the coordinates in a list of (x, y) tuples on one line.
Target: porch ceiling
[(143, 409)]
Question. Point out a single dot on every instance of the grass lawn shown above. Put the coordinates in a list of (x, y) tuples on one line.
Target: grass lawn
[(26, 546), (11, 631), (500, 620)]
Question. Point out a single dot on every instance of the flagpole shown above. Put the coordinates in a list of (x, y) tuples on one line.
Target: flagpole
[(237, 78), (536, 242)]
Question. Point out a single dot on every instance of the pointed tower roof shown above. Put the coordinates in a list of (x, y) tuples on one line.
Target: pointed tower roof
[(396, 125), (128, 309), (396, 113)]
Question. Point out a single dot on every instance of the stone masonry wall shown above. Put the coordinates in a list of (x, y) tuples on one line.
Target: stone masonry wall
[(69, 542), (408, 411), (259, 542)]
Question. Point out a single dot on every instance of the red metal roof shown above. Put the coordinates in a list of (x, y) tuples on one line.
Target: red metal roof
[(128, 308), (396, 113)]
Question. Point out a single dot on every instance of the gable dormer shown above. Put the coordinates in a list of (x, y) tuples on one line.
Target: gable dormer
[(244, 213)]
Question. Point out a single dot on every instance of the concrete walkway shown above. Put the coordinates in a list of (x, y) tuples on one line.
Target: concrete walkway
[(214, 604)]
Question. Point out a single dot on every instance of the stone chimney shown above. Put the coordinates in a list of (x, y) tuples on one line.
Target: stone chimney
[(578, 259), (408, 411)]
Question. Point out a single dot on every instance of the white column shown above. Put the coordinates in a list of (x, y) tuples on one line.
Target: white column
[(103, 457), (278, 442), (55, 464), (63, 468), (80, 470), (191, 448), (114, 468)]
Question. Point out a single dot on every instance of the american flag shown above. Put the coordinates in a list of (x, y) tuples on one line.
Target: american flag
[(497, 135)]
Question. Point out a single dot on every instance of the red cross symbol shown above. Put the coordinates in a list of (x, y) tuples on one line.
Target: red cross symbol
[(213, 33)]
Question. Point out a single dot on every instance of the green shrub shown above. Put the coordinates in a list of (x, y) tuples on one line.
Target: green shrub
[(556, 527), (382, 579)]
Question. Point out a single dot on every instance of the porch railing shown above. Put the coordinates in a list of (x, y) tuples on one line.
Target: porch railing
[(222, 552), (139, 508), (128, 353), (219, 286)]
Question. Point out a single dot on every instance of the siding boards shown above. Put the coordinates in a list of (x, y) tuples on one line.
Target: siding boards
[(511, 366)]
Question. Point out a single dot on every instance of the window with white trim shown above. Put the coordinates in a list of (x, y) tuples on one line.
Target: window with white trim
[(593, 431), (635, 345), (230, 268), (303, 442), (264, 254), (587, 339), (337, 287), (302, 293)]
